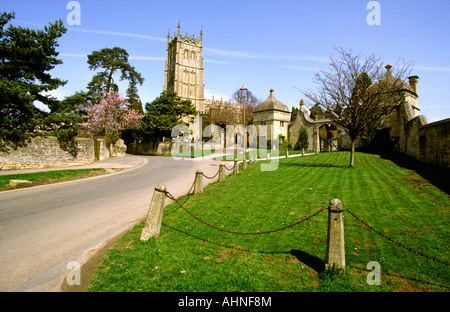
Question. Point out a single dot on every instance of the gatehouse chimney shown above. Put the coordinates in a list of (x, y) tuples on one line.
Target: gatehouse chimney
[(413, 82), (388, 71)]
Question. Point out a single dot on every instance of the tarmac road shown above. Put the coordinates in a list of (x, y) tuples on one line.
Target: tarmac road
[(44, 228)]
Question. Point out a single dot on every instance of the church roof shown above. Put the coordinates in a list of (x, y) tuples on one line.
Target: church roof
[(271, 104)]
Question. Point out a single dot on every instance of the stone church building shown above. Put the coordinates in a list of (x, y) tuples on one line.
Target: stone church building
[(408, 131), (183, 74)]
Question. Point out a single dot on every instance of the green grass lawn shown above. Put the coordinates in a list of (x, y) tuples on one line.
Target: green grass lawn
[(191, 256), (260, 154), (47, 177)]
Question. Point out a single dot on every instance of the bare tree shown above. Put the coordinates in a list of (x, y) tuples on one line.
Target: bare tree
[(223, 114), (249, 104), (356, 92)]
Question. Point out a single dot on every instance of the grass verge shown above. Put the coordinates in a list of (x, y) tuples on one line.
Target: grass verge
[(48, 177), (231, 155), (191, 256)]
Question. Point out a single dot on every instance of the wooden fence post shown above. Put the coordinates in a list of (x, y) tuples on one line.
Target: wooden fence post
[(335, 257), (236, 167), (152, 225)]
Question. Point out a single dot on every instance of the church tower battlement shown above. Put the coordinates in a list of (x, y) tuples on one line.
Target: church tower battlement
[(184, 67)]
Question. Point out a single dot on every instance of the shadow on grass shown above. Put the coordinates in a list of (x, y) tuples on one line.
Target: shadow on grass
[(438, 176), (307, 164), (313, 262)]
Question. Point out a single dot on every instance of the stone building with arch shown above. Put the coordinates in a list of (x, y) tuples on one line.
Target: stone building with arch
[(405, 130), (323, 135)]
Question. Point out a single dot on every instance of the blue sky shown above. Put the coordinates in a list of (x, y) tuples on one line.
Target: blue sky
[(264, 44)]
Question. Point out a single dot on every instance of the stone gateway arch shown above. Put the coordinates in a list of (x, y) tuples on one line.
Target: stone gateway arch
[(323, 135)]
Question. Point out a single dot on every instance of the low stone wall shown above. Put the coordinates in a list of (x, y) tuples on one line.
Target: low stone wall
[(101, 150), (48, 152), (153, 148), (119, 149)]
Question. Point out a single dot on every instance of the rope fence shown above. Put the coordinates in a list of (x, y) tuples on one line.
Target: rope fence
[(213, 177), (229, 169), (335, 238), (395, 242), (170, 196)]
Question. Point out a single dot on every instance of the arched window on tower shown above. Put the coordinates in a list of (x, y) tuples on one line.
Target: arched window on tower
[(186, 57)]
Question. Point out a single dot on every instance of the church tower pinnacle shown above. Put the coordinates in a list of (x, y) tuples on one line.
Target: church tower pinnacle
[(184, 67)]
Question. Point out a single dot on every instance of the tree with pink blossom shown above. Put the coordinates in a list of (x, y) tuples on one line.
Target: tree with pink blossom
[(112, 115)]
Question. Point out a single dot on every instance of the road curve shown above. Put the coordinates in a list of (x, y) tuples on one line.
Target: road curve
[(42, 229)]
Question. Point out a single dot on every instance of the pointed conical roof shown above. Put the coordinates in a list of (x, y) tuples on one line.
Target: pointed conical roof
[(271, 103)]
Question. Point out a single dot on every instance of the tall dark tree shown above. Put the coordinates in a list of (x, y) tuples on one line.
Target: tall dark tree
[(315, 112), (356, 92), (26, 57), (133, 97), (110, 61), (163, 114), (303, 140), (294, 113), (76, 103)]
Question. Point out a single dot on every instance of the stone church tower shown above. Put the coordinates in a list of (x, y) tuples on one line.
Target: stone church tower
[(184, 67)]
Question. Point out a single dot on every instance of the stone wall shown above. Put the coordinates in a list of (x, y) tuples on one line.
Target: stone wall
[(48, 151), (426, 142), (119, 149), (411, 138), (153, 148), (101, 150), (434, 143)]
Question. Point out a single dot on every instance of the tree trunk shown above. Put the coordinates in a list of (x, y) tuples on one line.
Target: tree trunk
[(352, 154)]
